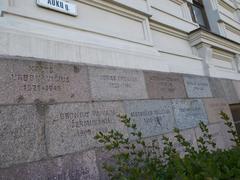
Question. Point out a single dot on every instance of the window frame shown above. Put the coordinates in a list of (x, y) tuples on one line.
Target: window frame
[(199, 4)]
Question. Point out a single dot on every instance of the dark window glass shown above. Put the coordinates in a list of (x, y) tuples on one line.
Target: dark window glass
[(198, 14)]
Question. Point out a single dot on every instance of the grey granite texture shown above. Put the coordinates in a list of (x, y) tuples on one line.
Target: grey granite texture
[(189, 112), (115, 84), (29, 81), (152, 117), (72, 127), (197, 86), (230, 93), (216, 88), (70, 167), (213, 108), (164, 85), (188, 134), (21, 134), (220, 135), (237, 88)]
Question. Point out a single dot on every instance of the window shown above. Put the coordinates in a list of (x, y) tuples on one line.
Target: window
[(198, 14)]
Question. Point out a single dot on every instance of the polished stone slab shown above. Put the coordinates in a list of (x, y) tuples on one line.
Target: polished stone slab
[(197, 86), (230, 92), (189, 112), (152, 117), (21, 134), (115, 84), (216, 88), (72, 127), (164, 85), (70, 167), (27, 81), (214, 106)]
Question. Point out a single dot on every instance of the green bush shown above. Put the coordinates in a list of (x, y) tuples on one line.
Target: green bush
[(140, 159)]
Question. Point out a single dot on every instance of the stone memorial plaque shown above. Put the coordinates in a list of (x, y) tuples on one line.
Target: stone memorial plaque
[(21, 135), (72, 127), (216, 88), (28, 81), (188, 113), (229, 90), (70, 167), (237, 88), (219, 134), (152, 117), (164, 85), (189, 135), (111, 84), (214, 107), (197, 86)]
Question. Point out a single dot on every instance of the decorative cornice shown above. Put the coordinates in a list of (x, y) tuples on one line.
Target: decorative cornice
[(179, 2), (168, 30), (200, 36), (227, 5)]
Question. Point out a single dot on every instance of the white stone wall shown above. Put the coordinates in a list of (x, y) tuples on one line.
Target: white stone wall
[(143, 34)]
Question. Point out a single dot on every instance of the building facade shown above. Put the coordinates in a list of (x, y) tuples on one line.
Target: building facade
[(68, 67), (128, 34)]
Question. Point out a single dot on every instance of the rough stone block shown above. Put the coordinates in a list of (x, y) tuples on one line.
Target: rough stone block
[(188, 113), (21, 134), (112, 84), (164, 85), (70, 167), (152, 117), (106, 157), (237, 125), (27, 81), (71, 127), (216, 88), (220, 135), (213, 108), (189, 135), (229, 90), (197, 86), (237, 88)]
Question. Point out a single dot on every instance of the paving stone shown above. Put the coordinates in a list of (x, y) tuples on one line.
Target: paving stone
[(27, 81), (237, 88), (197, 86), (70, 167), (188, 113), (188, 134), (220, 135), (113, 84), (213, 108), (21, 135), (152, 117), (216, 88), (229, 90), (164, 85), (71, 127)]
